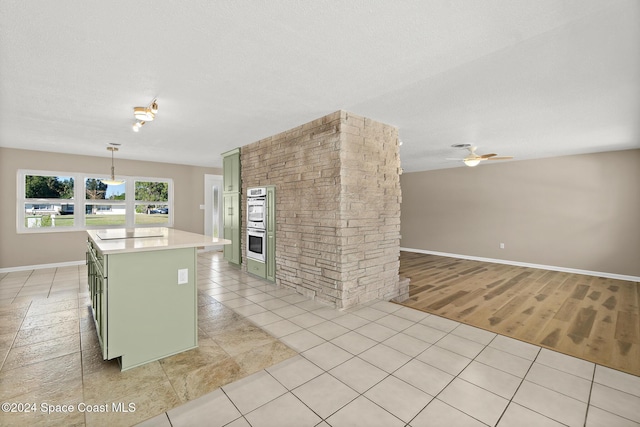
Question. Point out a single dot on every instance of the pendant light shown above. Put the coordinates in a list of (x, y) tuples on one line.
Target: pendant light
[(113, 180)]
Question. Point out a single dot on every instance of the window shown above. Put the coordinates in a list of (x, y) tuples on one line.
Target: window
[(53, 201), (47, 201), (104, 204), (152, 202)]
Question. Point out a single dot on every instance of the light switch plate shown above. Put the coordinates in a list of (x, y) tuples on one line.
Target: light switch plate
[(183, 276)]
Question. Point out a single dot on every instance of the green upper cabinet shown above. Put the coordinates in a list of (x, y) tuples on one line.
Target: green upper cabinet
[(231, 171)]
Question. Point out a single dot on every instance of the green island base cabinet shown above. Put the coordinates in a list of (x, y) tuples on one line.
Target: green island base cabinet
[(143, 289)]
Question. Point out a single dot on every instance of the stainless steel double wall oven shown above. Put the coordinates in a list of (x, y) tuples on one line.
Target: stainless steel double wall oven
[(256, 223)]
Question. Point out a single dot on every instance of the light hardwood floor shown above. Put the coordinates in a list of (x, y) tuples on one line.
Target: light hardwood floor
[(593, 318)]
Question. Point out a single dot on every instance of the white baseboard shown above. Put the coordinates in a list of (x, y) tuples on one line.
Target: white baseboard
[(40, 266), (422, 251), (526, 264)]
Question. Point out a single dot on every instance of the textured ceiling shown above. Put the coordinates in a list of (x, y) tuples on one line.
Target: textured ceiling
[(515, 77)]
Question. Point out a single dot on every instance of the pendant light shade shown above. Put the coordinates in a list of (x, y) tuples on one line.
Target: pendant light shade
[(113, 180)]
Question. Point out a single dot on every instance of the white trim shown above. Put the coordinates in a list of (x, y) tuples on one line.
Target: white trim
[(526, 264), (80, 201), (41, 266)]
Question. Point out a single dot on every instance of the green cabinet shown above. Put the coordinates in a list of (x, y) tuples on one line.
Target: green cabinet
[(232, 227), (270, 259), (256, 267), (143, 309), (231, 171), (97, 285), (232, 185)]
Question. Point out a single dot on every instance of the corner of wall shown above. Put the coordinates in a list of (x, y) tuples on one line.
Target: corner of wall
[(338, 206)]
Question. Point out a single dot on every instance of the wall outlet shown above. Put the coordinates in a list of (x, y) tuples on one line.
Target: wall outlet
[(501, 245), (183, 276)]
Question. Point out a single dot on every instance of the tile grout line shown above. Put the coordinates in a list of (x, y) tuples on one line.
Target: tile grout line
[(82, 361), (449, 383), (359, 394), (387, 373), (593, 380), (518, 388), (15, 336)]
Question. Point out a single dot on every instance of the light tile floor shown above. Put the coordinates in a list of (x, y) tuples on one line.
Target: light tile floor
[(50, 354), (382, 364)]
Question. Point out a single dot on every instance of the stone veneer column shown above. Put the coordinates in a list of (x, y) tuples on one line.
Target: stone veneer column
[(337, 207)]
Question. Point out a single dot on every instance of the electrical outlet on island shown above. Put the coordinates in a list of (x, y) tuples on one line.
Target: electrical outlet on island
[(183, 276)]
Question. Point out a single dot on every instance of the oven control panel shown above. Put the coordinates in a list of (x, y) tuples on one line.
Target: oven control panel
[(257, 192)]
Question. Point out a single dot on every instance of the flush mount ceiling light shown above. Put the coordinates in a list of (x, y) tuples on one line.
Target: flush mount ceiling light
[(144, 114), (113, 180)]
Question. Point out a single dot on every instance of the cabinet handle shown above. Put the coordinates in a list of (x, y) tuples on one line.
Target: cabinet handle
[(230, 210)]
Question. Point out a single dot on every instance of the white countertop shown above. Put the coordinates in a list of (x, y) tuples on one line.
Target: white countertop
[(122, 240)]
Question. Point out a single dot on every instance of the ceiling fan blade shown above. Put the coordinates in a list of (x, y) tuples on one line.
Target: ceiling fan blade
[(501, 158), (486, 156)]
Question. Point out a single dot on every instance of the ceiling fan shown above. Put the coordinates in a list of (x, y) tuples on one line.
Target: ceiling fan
[(474, 159)]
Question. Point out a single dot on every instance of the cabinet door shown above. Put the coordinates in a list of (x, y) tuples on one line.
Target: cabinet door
[(97, 291), (232, 227), (270, 260), (231, 172), (232, 250), (227, 173), (271, 209), (231, 211), (100, 309)]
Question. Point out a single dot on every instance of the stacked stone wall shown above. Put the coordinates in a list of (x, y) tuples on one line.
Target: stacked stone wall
[(337, 207)]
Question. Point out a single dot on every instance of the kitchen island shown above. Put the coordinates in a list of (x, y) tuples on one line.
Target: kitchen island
[(143, 289)]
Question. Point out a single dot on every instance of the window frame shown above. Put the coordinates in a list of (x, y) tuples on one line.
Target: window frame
[(80, 201)]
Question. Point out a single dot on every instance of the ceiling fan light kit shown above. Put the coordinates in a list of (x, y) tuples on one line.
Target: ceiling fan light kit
[(144, 114), (474, 159), (471, 162)]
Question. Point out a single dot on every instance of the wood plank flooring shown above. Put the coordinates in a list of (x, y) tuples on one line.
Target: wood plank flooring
[(593, 318)]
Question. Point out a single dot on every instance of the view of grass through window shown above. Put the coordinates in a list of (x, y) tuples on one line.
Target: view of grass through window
[(152, 202), (49, 198), (51, 201)]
